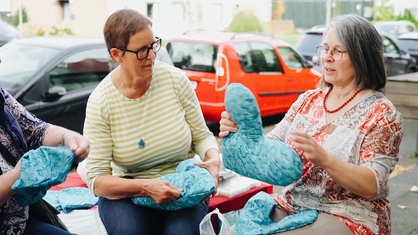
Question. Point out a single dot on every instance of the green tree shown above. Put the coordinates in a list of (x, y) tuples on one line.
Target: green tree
[(408, 16), (384, 11), (15, 18), (245, 21), (60, 31)]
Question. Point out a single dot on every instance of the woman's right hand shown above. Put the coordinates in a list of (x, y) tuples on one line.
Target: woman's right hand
[(226, 124), (163, 192)]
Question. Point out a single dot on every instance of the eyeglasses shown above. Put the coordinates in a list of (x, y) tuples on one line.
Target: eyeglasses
[(142, 53), (336, 54)]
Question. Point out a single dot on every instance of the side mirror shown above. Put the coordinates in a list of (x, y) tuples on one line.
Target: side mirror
[(54, 93), (315, 60)]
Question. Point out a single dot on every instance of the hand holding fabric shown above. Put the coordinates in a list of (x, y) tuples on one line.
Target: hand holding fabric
[(41, 168)]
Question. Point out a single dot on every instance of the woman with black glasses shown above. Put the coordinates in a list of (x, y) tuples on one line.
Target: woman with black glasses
[(142, 120)]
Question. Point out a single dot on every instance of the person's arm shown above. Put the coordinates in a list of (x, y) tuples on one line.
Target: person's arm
[(204, 143), (370, 178), (53, 135), (114, 187), (357, 179), (212, 163), (56, 135), (6, 181)]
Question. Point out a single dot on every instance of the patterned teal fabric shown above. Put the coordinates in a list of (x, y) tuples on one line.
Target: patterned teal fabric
[(196, 184), (248, 152), (40, 169), (72, 198), (254, 218)]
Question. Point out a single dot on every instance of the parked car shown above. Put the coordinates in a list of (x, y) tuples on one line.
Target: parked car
[(306, 46), (53, 76), (409, 43), (395, 28), (270, 68), (398, 61), (7, 33)]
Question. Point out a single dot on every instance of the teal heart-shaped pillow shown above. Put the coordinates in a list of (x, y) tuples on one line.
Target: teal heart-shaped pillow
[(248, 152)]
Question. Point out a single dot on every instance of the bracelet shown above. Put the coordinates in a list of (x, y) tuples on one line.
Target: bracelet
[(62, 143)]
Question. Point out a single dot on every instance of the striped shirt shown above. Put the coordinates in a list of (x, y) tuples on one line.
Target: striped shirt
[(166, 120)]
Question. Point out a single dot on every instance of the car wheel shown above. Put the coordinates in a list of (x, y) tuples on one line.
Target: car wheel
[(411, 69)]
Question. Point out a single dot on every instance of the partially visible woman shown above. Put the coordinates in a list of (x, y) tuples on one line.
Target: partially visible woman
[(142, 120), (20, 131), (347, 134)]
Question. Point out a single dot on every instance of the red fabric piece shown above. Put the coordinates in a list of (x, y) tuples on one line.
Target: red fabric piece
[(73, 180), (226, 204)]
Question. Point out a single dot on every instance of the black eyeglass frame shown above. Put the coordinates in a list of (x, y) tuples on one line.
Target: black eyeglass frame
[(151, 47)]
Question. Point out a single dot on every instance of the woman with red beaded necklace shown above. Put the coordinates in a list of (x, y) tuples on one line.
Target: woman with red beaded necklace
[(347, 134)]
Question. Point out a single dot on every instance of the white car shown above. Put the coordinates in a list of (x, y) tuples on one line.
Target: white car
[(395, 28)]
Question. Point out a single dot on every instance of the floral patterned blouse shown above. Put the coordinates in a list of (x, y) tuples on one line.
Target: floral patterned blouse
[(368, 134), (12, 216)]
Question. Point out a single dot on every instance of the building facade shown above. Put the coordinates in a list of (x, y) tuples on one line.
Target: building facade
[(86, 18)]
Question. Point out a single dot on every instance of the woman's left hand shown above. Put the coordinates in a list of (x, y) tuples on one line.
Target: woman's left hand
[(306, 145)]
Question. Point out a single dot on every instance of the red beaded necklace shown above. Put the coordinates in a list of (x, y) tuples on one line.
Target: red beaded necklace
[(342, 106)]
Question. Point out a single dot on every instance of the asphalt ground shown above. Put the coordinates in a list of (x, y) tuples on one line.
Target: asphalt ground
[(403, 196)]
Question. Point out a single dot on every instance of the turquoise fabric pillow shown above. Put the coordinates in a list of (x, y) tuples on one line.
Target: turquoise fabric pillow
[(196, 184), (254, 218), (248, 152), (72, 198), (41, 169)]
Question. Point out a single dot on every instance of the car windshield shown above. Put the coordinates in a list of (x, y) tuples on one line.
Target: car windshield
[(390, 29), (311, 41), (193, 56), (19, 62), (408, 44)]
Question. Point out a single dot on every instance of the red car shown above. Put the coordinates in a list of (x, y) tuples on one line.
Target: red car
[(271, 69)]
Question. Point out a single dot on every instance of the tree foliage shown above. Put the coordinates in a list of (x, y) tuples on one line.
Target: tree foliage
[(387, 12), (408, 16), (15, 18), (245, 21)]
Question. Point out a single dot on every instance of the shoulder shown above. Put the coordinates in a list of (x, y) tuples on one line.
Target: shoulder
[(5, 94), (103, 88), (385, 107), (380, 113), (167, 71), (169, 74)]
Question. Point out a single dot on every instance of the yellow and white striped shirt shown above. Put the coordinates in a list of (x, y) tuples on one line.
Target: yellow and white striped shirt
[(167, 118)]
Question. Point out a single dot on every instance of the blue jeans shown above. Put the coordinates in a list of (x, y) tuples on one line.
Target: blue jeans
[(36, 227), (125, 217)]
